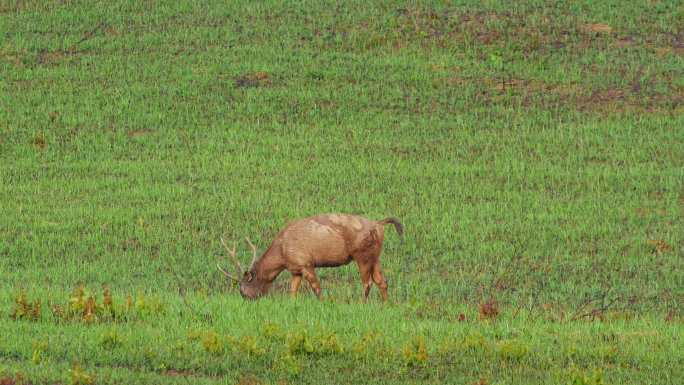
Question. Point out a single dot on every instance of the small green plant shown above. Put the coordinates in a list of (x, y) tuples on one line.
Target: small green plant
[(83, 306), (415, 352), (372, 340), (578, 377), (145, 305), (80, 306), (299, 343), (328, 343), (475, 342), (80, 377), (151, 354), (272, 330), (249, 345), (38, 348), (246, 345), (108, 303), (212, 342), (512, 350), (289, 364), (302, 343), (111, 339)]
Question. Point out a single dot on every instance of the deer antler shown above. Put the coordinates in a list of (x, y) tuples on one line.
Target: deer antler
[(254, 252), (232, 255)]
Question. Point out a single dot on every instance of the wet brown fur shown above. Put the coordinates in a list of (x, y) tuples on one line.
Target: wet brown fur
[(327, 240)]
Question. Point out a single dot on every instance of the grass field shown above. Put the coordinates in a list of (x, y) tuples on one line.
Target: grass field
[(534, 152)]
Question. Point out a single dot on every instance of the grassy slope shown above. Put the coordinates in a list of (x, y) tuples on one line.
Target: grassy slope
[(531, 153)]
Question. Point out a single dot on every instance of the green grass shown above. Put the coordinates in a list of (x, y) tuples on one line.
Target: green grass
[(534, 152)]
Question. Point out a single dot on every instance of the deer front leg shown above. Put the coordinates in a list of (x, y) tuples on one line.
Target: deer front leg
[(294, 285), (310, 275)]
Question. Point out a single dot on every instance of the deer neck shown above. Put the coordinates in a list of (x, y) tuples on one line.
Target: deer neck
[(269, 266)]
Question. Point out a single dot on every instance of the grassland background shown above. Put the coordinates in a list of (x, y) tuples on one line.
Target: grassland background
[(535, 153)]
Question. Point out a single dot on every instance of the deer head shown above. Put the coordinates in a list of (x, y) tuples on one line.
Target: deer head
[(251, 286)]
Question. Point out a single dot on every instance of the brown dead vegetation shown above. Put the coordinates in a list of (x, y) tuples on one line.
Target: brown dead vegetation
[(39, 141), (25, 308), (489, 310), (10, 381), (17, 379), (673, 317), (659, 246)]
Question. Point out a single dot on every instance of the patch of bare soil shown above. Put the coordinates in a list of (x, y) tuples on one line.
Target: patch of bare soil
[(49, 57), (597, 28), (635, 97), (249, 380), (177, 373), (137, 133), (626, 41), (256, 79)]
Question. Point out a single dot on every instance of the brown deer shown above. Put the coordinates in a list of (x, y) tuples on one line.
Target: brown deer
[(327, 240)]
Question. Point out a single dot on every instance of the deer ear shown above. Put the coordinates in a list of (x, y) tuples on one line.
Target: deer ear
[(249, 276)]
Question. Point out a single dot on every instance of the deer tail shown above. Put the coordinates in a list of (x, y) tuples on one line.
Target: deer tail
[(397, 226)]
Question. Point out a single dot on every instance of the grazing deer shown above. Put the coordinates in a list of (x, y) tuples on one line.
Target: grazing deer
[(327, 240)]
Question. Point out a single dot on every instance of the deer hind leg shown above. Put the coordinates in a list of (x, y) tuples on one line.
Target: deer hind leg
[(310, 275), (294, 285), (365, 270), (380, 281)]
